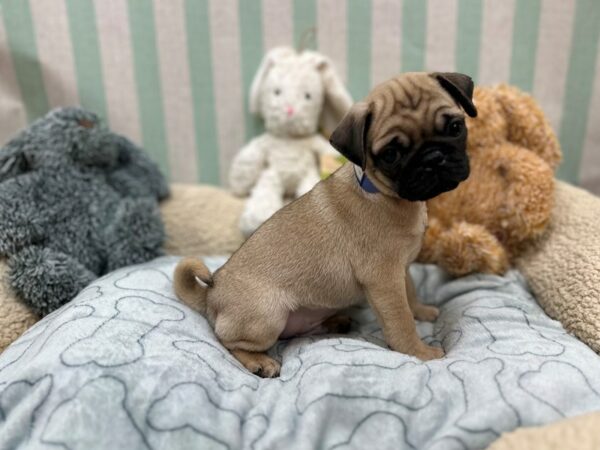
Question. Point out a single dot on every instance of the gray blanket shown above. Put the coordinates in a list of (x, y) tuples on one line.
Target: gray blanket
[(126, 366)]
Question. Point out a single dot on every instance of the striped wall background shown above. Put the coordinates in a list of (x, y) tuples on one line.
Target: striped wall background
[(173, 75)]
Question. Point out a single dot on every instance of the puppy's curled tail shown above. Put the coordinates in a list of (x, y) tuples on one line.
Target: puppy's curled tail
[(187, 287)]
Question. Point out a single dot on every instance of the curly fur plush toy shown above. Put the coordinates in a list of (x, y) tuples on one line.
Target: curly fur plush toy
[(294, 93), (507, 200), (216, 233), (76, 201)]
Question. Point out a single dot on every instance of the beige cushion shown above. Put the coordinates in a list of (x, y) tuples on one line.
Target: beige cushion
[(15, 317), (563, 269), (580, 433), (201, 220)]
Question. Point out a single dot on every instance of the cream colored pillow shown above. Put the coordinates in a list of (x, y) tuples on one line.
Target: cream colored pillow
[(201, 220), (563, 269), (577, 433)]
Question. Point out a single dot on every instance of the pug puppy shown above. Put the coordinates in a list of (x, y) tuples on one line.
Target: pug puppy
[(352, 236)]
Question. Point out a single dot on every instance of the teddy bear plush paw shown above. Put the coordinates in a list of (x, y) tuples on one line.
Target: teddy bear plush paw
[(467, 248), (45, 277), (135, 234)]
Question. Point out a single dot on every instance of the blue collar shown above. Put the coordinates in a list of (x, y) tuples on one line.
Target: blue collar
[(363, 181)]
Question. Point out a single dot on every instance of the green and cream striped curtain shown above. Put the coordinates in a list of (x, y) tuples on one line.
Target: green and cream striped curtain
[(173, 75)]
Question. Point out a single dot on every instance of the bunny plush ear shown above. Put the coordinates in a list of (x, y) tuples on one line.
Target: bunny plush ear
[(337, 101), (269, 60)]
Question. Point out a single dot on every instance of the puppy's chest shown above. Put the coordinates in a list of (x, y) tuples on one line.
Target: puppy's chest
[(401, 235)]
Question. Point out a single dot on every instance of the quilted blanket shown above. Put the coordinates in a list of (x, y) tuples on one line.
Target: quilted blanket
[(126, 366)]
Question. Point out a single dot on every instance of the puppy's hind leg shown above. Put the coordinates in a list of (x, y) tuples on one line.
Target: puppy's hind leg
[(249, 337), (258, 363)]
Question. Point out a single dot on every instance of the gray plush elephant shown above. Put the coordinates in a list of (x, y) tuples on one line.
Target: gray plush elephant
[(76, 201)]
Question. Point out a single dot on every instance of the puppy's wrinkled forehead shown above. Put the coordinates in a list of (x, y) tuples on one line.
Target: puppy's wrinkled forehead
[(410, 108), (406, 112)]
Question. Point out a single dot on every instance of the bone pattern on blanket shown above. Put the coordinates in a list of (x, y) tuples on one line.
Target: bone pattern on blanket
[(124, 328), (127, 358), (68, 412), (480, 384)]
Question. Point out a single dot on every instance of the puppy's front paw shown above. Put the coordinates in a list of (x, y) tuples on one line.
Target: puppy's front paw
[(426, 353), (425, 313)]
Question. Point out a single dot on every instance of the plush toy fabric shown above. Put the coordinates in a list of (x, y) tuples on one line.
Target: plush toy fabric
[(579, 432), (507, 200), (76, 201), (201, 221), (198, 220), (15, 316), (294, 93), (563, 266)]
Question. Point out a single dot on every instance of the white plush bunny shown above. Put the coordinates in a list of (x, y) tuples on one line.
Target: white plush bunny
[(295, 93)]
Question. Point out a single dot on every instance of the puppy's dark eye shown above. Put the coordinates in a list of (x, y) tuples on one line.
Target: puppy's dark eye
[(389, 155), (307, 96), (277, 91), (454, 127), (392, 152)]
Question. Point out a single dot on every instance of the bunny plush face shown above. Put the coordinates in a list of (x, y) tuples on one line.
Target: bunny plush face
[(301, 99), (296, 93), (292, 98)]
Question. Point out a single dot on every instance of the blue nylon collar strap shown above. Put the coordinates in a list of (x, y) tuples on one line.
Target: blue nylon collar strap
[(363, 181)]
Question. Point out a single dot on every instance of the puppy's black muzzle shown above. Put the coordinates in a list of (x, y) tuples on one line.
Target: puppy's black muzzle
[(432, 170)]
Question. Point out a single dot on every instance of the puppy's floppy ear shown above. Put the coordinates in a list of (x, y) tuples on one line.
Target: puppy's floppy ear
[(350, 136), (460, 87)]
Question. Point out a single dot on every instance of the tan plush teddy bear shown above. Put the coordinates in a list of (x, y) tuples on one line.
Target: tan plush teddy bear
[(507, 200)]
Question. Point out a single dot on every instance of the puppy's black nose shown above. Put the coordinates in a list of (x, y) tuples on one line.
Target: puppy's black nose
[(434, 157)]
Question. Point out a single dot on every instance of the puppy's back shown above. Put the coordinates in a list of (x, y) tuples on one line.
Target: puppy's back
[(298, 245)]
